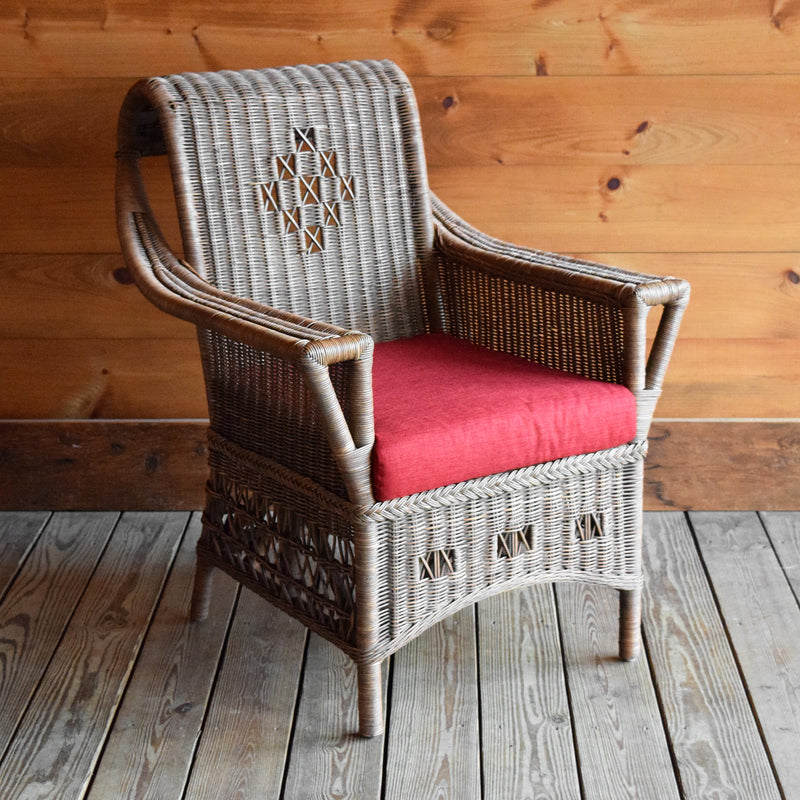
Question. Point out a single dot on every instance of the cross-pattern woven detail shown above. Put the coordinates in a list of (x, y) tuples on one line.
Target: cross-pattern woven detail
[(347, 186), (331, 216), (286, 167), (304, 140), (291, 220), (313, 239), (269, 196), (327, 163), (589, 526), (437, 564), (513, 543), (310, 177), (309, 190)]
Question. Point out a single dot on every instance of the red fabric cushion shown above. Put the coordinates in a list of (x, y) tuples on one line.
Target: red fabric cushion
[(448, 411)]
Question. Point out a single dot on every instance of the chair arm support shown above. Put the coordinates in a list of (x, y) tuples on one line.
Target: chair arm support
[(553, 271), (632, 293), (172, 285), (312, 346)]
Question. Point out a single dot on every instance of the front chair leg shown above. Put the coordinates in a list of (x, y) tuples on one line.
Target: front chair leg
[(370, 700), (630, 622), (201, 593)]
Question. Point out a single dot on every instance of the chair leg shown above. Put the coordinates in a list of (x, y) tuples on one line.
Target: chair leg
[(370, 703), (630, 621), (201, 593)]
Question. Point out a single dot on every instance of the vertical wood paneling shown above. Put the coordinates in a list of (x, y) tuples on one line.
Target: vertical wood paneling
[(705, 628), (528, 749), (763, 622), (38, 608), (433, 748), (622, 748), (252, 707), (327, 759)]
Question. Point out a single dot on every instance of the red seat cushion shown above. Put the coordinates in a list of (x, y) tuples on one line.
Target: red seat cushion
[(448, 411)]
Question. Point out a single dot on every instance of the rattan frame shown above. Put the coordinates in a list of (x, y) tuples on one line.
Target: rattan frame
[(290, 511)]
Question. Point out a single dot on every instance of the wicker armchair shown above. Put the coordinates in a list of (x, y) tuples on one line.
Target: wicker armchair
[(406, 415)]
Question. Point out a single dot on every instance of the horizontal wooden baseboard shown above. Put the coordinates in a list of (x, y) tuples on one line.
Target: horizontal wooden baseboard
[(161, 464)]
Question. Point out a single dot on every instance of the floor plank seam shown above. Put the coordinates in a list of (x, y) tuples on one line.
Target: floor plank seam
[(387, 714), (24, 557), (112, 721), (735, 656), (776, 550), (295, 716), (68, 622), (211, 693), (662, 712), (568, 690), (481, 748), (718, 635)]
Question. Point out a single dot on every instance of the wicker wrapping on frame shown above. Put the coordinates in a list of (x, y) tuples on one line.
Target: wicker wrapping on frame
[(309, 232)]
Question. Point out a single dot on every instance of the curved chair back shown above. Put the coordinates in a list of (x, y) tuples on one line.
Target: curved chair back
[(303, 187)]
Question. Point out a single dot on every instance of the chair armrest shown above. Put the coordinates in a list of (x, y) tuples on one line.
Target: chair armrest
[(172, 285), (598, 328), (550, 270), (310, 345)]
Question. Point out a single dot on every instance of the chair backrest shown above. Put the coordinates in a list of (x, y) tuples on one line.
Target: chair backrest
[(301, 187)]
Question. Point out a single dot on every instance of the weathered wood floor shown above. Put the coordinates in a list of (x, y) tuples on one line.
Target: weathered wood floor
[(107, 692)]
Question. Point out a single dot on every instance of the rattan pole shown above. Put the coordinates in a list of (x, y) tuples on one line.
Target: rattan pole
[(370, 705), (630, 617)]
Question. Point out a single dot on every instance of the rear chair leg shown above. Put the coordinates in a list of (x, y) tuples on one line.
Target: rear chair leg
[(201, 593), (630, 622), (370, 702)]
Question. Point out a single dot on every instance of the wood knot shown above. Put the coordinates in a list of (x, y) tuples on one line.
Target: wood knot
[(440, 30), (792, 277), (541, 66), (123, 276), (613, 184), (450, 102)]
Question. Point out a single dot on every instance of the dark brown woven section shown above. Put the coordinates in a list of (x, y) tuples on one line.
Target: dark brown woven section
[(261, 403), (564, 331)]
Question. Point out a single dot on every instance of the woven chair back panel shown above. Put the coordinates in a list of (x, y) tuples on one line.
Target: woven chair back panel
[(305, 188)]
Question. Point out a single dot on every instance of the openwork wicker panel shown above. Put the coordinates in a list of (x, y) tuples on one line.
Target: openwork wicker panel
[(305, 188), (564, 331), (271, 530)]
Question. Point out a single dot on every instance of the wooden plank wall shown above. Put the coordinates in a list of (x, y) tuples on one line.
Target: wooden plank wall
[(660, 135)]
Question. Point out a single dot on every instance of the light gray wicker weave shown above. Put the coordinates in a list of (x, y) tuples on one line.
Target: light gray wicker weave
[(304, 189)]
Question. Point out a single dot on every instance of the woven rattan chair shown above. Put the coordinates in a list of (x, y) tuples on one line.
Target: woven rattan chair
[(406, 415)]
